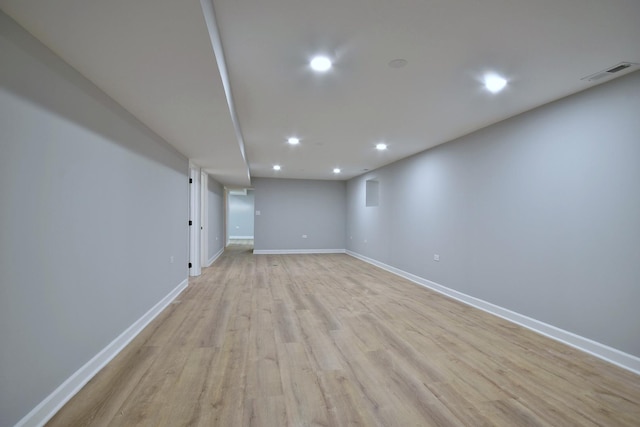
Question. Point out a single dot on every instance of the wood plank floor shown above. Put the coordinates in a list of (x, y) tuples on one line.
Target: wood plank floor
[(327, 340)]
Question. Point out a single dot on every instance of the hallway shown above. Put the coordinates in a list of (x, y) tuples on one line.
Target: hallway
[(297, 340)]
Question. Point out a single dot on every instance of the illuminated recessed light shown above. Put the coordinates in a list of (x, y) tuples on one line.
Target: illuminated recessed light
[(276, 167), (381, 146), (336, 170), (293, 141), (320, 63), (494, 83)]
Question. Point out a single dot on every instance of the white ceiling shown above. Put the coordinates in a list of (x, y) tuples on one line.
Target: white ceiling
[(155, 58)]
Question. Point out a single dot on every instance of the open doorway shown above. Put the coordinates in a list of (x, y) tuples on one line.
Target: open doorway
[(240, 207)]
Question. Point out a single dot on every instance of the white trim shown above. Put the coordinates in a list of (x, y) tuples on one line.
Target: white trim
[(240, 237), (214, 258), (194, 217), (216, 43), (204, 216), (297, 251), (601, 351), (61, 395)]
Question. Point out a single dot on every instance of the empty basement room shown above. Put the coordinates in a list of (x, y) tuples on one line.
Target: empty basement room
[(440, 213)]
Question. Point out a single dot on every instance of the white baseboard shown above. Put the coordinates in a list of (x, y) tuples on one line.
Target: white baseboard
[(56, 400), (240, 237), (214, 258), (297, 251), (601, 351)]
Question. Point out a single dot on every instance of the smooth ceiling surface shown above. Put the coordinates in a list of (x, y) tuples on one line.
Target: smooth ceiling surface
[(155, 58), (543, 47)]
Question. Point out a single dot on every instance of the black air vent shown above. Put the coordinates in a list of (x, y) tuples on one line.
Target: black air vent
[(607, 72), (619, 68)]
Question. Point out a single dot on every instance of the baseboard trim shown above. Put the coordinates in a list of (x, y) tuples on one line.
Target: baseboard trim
[(214, 258), (297, 251), (56, 400), (601, 351), (240, 237)]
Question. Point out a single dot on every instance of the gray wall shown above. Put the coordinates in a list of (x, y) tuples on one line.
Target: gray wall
[(92, 206), (215, 212), (539, 214), (290, 208), (240, 219)]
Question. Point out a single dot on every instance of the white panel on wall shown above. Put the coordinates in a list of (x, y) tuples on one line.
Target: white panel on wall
[(372, 193)]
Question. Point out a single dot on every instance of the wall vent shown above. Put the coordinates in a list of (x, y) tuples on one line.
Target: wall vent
[(372, 193), (616, 70)]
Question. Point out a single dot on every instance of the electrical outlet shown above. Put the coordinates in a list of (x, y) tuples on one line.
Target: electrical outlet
[(304, 236), (257, 213), (171, 259), (436, 257)]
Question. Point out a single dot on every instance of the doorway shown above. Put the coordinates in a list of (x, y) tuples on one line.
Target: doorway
[(240, 220)]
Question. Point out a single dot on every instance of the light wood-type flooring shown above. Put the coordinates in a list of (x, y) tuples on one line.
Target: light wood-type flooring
[(327, 340)]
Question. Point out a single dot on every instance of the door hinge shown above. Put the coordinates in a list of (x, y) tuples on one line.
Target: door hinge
[(190, 223), (189, 265)]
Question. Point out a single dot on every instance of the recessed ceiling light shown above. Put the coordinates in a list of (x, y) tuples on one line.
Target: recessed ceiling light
[(293, 141), (336, 170), (276, 167), (398, 63), (320, 63), (494, 83), (381, 146)]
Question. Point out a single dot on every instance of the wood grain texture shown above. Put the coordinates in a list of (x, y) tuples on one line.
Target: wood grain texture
[(327, 340)]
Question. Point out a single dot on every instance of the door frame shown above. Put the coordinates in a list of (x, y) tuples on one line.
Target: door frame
[(194, 218), (204, 219)]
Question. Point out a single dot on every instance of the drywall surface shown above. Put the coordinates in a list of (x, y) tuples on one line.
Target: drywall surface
[(240, 220), (293, 208), (539, 214), (215, 226), (93, 206)]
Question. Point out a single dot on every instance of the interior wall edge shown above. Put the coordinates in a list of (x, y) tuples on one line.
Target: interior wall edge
[(46, 409), (214, 258), (601, 351)]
